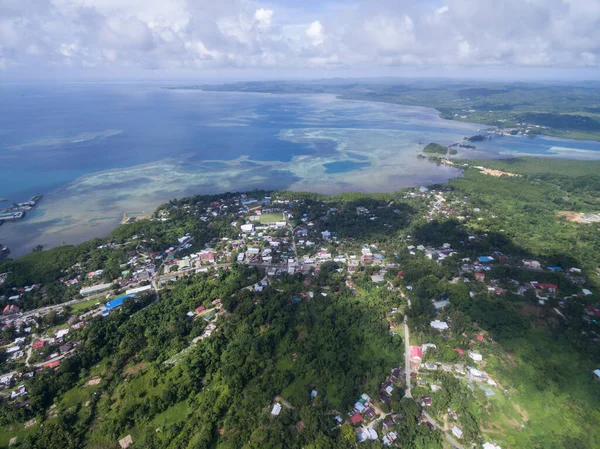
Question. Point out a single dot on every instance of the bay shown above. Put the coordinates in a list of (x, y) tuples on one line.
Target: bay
[(98, 150)]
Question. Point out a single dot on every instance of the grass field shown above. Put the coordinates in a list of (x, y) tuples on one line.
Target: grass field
[(271, 218), (80, 307)]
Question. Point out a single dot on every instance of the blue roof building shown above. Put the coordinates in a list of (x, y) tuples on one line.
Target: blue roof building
[(113, 304), (485, 259)]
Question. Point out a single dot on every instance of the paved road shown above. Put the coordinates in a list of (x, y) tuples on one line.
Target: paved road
[(407, 392)]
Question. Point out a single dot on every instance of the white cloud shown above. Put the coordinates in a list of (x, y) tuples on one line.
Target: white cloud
[(116, 35), (442, 10), (263, 17), (315, 32)]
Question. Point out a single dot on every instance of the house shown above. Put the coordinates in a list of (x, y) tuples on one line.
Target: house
[(200, 309), (416, 354), (476, 373), (597, 374), (430, 366), (38, 344), (356, 418), (359, 406), (9, 310), (457, 432), (276, 409), (66, 347), (480, 277), (369, 413), (20, 391), (126, 442), (550, 288), (446, 367), (377, 278), (388, 387), (52, 365), (426, 402), (367, 434), (6, 379), (387, 424), (475, 356), (533, 264), (439, 325), (490, 446), (389, 438), (60, 333)]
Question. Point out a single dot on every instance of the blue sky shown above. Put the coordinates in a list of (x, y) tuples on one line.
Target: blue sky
[(240, 39)]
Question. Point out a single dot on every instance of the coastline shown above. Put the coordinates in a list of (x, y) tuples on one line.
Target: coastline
[(95, 203)]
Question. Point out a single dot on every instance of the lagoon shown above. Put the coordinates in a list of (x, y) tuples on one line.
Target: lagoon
[(98, 150)]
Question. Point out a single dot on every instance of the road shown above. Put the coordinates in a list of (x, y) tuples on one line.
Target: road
[(449, 437), (407, 392)]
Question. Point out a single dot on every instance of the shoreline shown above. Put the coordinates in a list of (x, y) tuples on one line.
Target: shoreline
[(96, 203)]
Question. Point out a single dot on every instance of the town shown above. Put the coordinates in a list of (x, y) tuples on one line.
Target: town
[(440, 371)]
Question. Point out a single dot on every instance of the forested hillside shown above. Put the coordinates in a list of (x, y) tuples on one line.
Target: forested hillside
[(277, 320)]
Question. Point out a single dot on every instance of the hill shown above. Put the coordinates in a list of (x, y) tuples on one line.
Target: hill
[(277, 320)]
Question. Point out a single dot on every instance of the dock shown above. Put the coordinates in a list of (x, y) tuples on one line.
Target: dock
[(18, 210)]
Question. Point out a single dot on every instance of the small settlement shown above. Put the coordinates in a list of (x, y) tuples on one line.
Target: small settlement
[(289, 236)]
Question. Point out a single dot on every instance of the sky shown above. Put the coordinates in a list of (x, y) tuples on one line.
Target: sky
[(215, 40)]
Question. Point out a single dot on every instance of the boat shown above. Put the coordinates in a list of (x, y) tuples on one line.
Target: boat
[(3, 199)]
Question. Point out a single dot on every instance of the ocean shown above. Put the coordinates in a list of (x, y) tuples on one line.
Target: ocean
[(98, 150)]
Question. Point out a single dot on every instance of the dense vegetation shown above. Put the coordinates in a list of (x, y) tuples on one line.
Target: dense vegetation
[(435, 148), (317, 332)]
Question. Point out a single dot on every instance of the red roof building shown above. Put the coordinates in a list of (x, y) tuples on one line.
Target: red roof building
[(39, 344), (479, 337), (547, 286), (10, 309), (459, 351), (356, 418), (593, 311), (200, 309), (416, 354), (52, 365), (480, 277)]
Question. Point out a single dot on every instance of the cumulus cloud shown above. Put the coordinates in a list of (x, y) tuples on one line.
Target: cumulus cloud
[(263, 17), (315, 32), (118, 35)]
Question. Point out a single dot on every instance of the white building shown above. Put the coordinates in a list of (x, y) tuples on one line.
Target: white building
[(133, 291), (457, 432), (276, 409), (247, 227), (439, 325), (475, 356)]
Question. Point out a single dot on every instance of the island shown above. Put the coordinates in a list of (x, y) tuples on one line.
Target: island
[(462, 314)]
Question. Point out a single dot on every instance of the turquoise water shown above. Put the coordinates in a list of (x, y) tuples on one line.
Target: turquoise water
[(344, 166), (97, 150)]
